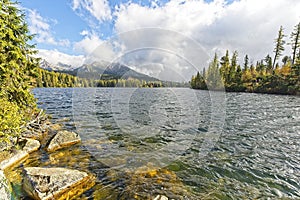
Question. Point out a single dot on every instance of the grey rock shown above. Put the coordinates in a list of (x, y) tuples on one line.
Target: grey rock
[(33, 134), (5, 188), (55, 183), (20, 156), (160, 197), (31, 145), (16, 158), (63, 139)]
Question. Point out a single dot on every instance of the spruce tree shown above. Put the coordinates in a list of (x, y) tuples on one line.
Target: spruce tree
[(279, 48), (17, 66), (295, 37), (233, 66), (246, 63)]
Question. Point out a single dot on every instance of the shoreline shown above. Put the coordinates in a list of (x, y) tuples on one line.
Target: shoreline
[(53, 138)]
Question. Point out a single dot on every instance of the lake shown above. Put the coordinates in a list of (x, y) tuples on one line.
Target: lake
[(182, 143)]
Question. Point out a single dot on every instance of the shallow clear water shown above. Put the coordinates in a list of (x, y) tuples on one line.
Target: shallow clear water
[(186, 144)]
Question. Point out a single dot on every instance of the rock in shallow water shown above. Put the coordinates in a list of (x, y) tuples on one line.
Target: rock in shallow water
[(16, 158), (19, 156), (55, 183), (161, 197), (4, 188), (63, 139)]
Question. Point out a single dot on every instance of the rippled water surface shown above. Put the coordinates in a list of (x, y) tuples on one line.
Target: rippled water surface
[(183, 143)]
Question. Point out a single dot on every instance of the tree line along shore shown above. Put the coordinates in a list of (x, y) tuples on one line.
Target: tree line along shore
[(266, 76), (45, 78)]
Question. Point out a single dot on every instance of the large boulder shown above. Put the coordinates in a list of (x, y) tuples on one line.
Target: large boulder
[(63, 139), (5, 188), (55, 183)]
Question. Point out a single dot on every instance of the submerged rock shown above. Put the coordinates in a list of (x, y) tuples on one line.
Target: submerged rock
[(55, 183), (63, 139), (55, 127), (16, 158), (5, 193)]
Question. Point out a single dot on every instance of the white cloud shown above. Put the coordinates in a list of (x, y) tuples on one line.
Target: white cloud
[(99, 9), (84, 33), (55, 57), (88, 44), (41, 27), (95, 49), (248, 26), (156, 47), (165, 40), (175, 15)]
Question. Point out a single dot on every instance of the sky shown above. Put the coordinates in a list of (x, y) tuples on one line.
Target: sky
[(167, 39)]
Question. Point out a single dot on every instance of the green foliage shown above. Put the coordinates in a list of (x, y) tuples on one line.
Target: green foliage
[(10, 120), (198, 81), (16, 63), (17, 67)]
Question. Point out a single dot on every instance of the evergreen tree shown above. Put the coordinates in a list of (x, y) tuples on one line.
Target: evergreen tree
[(246, 63), (295, 37), (279, 48), (225, 67), (269, 65), (17, 71), (233, 66), (17, 66), (285, 59)]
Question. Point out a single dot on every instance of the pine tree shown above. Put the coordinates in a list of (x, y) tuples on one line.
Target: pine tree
[(246, 63), (269, 65), (17, 65), (225, 67), (286, 59), (295, 37), (279, 48), (233, 66)]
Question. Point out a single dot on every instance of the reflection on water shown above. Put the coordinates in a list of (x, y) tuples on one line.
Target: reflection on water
[(144, 142)]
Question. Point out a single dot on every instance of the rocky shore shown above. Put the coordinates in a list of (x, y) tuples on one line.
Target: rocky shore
[(42, 183), (65, 171)]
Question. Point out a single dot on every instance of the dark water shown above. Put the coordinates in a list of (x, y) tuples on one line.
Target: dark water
[(182, 143)]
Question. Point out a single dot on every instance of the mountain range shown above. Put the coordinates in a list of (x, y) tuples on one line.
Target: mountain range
[(98, 70)]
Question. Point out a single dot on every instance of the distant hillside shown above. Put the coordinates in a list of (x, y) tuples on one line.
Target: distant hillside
[(98, 70)]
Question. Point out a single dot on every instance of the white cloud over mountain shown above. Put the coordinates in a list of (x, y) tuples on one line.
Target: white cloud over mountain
[(165, 41), (55, 57)]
